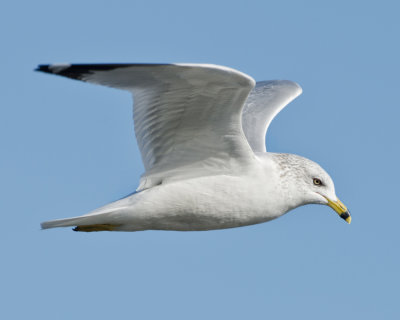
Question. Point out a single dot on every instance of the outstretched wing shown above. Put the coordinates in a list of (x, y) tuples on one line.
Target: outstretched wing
[(262, 105), (187, 117)]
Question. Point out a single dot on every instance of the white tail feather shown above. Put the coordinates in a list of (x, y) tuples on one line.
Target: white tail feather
[(76, 221)]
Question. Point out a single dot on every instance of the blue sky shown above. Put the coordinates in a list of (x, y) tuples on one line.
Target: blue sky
[(68, 147)]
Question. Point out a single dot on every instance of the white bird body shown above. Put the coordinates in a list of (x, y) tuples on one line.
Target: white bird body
[(214, 202), (202, 141)]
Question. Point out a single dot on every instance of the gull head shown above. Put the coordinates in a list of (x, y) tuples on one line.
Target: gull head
[(305, 182)]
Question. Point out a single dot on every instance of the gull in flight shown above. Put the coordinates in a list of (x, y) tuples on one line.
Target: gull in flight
[(201, 133)]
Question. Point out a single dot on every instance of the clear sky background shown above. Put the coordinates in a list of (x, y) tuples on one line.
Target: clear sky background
[(68, 147)]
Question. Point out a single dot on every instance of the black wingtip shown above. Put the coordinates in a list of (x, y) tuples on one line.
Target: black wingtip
[(64, 69), (43, 68), (78, 71)]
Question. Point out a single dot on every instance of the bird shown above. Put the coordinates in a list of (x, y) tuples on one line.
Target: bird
[(201, 129)]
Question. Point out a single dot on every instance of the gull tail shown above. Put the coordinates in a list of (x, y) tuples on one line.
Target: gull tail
[(107, 218), (88, 223)]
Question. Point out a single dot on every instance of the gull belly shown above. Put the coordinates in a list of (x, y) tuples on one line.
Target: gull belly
[(205, 203)]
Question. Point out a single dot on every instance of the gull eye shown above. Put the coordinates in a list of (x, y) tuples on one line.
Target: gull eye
[(317, 182)]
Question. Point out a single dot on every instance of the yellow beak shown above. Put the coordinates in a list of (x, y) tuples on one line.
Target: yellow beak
[(340, 208)]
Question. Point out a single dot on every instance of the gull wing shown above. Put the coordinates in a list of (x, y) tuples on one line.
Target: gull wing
[(187, 117), (266, 100)]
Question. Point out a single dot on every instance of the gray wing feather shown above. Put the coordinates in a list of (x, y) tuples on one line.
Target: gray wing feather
[(266, 100), (187, 117)]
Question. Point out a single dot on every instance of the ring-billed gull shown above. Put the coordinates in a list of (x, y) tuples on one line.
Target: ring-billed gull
[(201, 133)]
